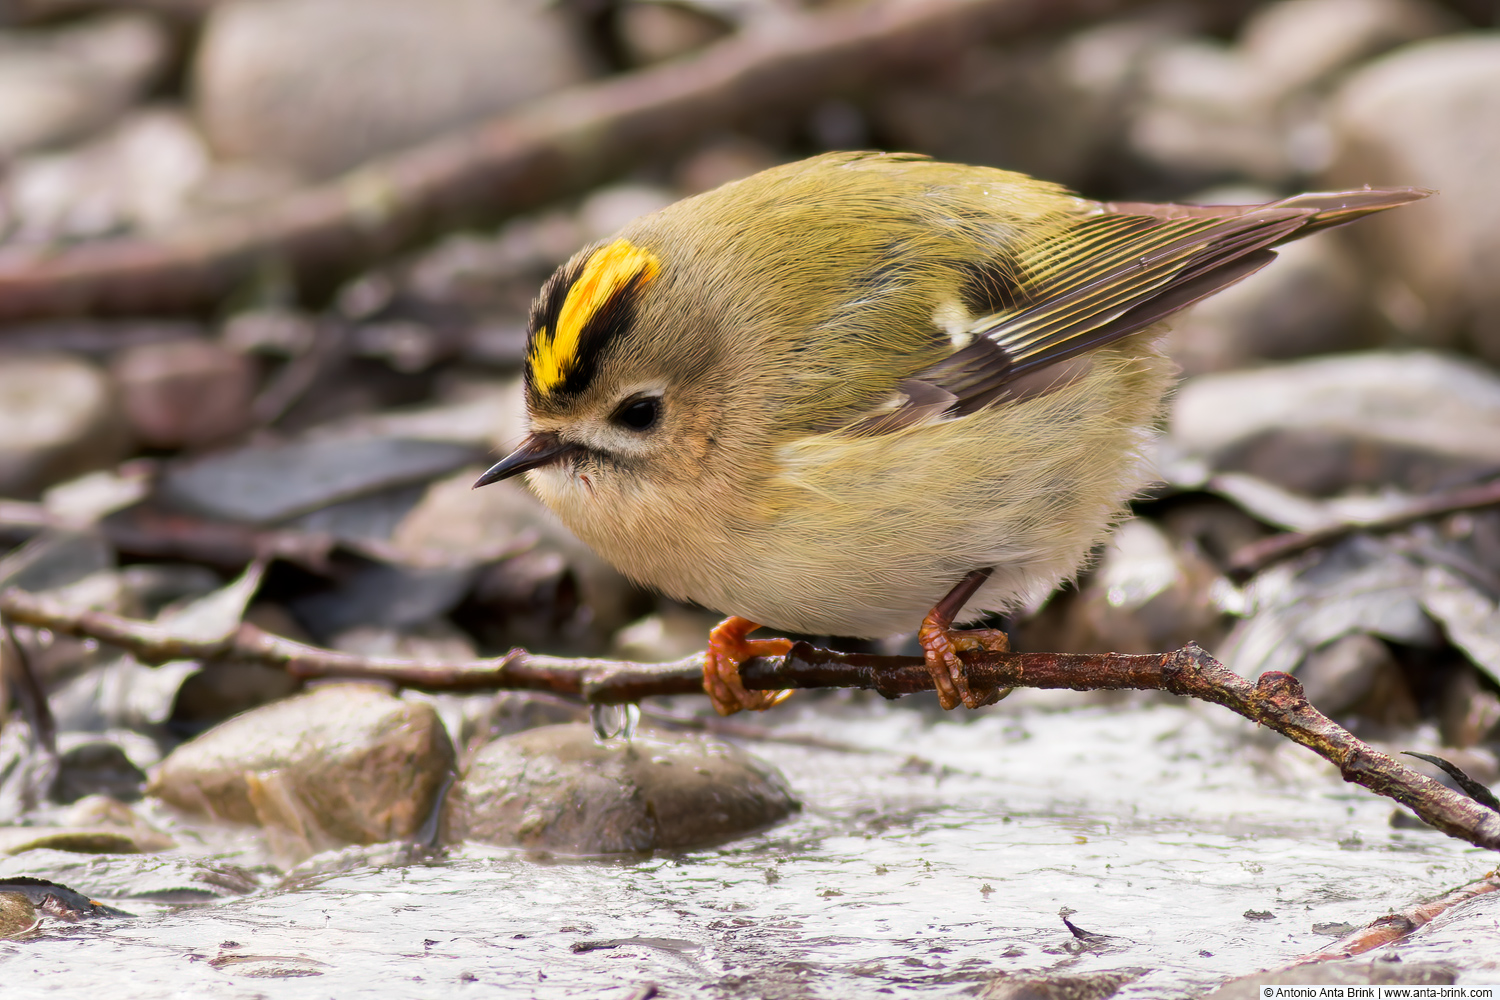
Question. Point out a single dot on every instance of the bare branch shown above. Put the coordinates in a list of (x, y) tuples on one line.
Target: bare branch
[(1276, 701), (1256, 556), (1394, 926), (558, 145)]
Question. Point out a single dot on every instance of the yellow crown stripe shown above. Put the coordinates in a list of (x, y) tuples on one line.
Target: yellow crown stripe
[(607, 271)]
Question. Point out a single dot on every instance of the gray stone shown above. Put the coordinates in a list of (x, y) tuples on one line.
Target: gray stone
[(342, 764), (184, 393), (1252, 109), (559, 789), (58, 418), (57, 85), (1357, 674), (1299, 44), (321, 85), (263, 485), (1405, 417), (1429, 115), (140, 174)]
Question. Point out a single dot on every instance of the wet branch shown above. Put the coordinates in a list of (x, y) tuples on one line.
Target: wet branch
[(1394, 926), (558, 145), (1276, 701)]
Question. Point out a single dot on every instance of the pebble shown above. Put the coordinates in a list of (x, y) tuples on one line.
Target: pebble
[(1429, 115), (17, 915), (60, 84), (321, 85), (140, 174), (1253, 109), (83, 840), (1357, 674), (559, 789), (184, 393), (58, 418), (342, 764)]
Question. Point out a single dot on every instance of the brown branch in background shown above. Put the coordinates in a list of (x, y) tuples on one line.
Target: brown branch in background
[(1256, 556), (558, 145), (1275, 701), (1394, 926)]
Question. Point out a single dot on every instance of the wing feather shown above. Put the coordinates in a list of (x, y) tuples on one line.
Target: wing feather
[(1120, 270)]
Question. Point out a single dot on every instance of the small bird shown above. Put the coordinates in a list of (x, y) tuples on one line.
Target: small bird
[(868, 392)]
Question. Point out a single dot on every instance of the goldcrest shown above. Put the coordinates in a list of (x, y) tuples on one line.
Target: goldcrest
[(867, 393)]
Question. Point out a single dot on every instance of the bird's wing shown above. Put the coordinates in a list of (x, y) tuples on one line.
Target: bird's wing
[(1114, 273)]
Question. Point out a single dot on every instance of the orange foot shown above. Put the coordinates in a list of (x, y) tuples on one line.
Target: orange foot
[(941, 644), (727, 649)]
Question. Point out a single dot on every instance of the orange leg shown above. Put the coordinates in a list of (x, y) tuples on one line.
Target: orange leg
[(941, 644), (727, 649)]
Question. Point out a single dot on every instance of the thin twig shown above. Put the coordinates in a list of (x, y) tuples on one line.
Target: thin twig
[(1256, 556), (1276, 701), (558, 145)]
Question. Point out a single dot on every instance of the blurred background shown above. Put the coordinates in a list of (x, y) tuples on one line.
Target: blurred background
[(217, 346), (265, 267)]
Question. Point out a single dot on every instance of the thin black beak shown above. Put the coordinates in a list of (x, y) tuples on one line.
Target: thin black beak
[(536, 451)]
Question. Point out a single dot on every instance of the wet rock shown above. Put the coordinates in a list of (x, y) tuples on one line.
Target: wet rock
[(383, 594), (83, 840), (59, 84), (1321, 426), (1363, 585), (96, 767), (345, 763), (654, 31), (219, 690), (1354, 972), (56, 900), (56, 559), (559, 587), (1358, 675), (17, 915), (1059, 986), (558, 789), (184, 393), (166, 879), (58, 418), (262, 485), (1309, 301), (140, 174), (1468, 714), (1429, 115), (510, 712), (324, 84)]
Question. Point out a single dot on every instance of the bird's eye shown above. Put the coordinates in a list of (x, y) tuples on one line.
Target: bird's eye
[(639, 414)]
